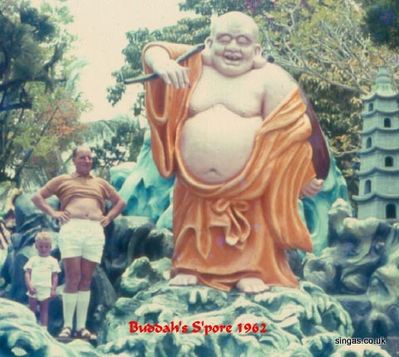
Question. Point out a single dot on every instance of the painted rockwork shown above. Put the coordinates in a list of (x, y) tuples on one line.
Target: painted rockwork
[(20, 335), (360, 268), (145, 192), (300, 322), (304, 322)]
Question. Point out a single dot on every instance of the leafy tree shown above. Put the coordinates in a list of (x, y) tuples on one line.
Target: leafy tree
[(321, 43), (121, 142), (382, 21), (190, 31), (38, 107)]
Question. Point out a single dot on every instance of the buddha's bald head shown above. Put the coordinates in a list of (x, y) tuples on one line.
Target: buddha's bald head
[(234, 19), (233, 47)]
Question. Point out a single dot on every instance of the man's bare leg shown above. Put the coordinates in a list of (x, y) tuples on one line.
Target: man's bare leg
[(251, 285), (72, 274), (87, 269), (184, 279)]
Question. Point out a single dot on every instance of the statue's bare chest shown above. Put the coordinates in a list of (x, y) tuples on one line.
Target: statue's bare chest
[(242, 96), (224, 117)]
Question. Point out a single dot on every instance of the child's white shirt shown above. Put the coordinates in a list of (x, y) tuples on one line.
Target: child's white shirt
[(42, 270)]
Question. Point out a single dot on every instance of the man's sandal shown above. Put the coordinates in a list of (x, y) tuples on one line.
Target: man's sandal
[(66, 333), (86, 335)]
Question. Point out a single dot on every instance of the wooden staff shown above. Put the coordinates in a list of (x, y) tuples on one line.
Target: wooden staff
[(152, 76)]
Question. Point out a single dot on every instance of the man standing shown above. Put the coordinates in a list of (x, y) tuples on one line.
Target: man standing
[(235, 131), (81, 240)]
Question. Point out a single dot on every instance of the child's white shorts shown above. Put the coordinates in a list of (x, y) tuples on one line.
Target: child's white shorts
[(42, 293)]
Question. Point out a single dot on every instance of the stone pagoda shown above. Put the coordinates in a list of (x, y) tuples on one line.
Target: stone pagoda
[(379, 157)]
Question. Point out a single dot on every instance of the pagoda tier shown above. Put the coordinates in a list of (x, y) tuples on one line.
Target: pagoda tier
[(379, 157)]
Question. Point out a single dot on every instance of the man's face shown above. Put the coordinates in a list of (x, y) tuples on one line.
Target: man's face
[(83, 161), (43, 248), (233, 47)]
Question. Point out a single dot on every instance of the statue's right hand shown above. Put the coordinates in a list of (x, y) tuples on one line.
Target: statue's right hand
[(172, 73), (32, 290), (62, 216)]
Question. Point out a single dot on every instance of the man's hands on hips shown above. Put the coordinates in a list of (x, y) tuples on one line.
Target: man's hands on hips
[(105, 221), (62, 216)]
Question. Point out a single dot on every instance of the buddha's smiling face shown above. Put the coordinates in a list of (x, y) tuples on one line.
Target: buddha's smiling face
[(233, 44)]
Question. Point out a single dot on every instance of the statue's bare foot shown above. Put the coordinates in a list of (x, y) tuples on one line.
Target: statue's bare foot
[(252, 285), (183, 279)]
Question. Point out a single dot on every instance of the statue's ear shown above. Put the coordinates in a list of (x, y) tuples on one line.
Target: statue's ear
[(206, 53), (258, 50), (259, 61)]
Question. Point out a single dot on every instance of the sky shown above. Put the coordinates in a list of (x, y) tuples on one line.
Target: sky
[(101, 26)]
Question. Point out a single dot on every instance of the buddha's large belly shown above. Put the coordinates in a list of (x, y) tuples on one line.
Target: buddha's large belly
[(217, 143)]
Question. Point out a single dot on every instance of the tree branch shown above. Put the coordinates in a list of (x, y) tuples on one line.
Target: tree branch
[(10, 141), (18, 82), (57, 55), (14, 106), (6, 62), (28, 154), (345, 153)]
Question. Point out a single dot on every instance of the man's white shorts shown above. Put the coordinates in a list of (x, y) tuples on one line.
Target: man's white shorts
[(82, 238)]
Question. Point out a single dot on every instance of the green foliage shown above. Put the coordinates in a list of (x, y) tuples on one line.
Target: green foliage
[(189, 31), (323, 46), (124, 145), (39, 109), (321, 43), (218, 7), (43, 29), (382, 21)]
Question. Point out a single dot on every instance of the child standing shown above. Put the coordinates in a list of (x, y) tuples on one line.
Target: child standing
[(41, 276)]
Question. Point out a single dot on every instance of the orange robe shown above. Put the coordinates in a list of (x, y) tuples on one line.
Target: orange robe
[(240, 228)]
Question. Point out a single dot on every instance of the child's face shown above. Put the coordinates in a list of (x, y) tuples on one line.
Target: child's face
[(43, 248)]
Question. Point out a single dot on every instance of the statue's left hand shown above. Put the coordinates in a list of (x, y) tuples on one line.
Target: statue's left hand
[(312, 188), (172, 73)]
